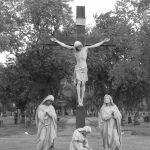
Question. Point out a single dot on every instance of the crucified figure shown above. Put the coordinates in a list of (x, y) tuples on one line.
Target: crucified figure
[(80, 71)]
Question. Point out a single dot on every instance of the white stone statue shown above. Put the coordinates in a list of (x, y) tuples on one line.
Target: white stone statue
[(109, 120), (80, 71)]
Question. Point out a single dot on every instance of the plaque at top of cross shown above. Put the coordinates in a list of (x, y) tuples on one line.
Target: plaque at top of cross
[(80, 24)]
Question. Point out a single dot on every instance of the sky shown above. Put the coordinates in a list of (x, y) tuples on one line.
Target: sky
[(91, 7), (3, 57)]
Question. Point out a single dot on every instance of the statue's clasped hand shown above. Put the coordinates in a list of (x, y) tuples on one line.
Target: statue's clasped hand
[(53, 39), (106, 39), (112, 113)]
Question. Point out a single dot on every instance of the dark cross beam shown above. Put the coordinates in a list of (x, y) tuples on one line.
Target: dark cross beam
[(80, 31), (70, 41), (80, 24)]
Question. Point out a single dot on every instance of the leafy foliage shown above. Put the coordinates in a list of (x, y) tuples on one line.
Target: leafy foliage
[(121, 69), (37, 69)]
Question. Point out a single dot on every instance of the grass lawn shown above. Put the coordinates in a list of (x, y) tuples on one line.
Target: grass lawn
[(12, 137)]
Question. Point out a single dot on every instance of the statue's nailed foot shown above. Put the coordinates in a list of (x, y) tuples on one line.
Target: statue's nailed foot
[(80, 105), (52, 147)]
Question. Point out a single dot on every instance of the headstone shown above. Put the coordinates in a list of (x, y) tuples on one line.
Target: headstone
[(136, 121), (1, 123), (15, 117), (129, 119), (136, 118)]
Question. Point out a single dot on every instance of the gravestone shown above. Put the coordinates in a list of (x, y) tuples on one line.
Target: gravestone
[(1, 123)]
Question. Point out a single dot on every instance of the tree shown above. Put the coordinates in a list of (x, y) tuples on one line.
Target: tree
[(121, 68), (28, 22), (37, 69)]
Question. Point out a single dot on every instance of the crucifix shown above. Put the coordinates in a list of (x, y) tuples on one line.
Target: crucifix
[(80, 52)]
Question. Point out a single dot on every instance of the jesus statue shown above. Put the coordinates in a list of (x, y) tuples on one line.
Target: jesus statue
[(80, 71)]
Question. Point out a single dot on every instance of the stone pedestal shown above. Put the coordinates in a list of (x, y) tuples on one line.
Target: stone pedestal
[(80, 117), (1, 123)]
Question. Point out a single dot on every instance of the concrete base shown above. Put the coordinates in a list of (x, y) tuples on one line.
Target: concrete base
[(80, 117)]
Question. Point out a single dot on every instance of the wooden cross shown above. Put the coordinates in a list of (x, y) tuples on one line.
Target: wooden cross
[(80, 31)]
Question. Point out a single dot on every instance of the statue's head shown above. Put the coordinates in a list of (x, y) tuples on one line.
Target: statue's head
[(48, 100), (78, 45), (85, 130), (108, 100)]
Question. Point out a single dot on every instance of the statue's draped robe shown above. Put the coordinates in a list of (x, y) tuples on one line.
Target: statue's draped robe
[(78, 142), (110, 127), (46, 121), (80, 71)]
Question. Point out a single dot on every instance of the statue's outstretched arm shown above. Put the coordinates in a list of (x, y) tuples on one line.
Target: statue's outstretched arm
[(61, 44), (98, 44)]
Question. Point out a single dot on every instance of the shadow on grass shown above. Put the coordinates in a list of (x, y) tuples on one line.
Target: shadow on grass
[(142, 131), (11, 129)]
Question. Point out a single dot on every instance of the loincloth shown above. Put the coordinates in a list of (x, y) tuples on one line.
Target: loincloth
[(80, 74)]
